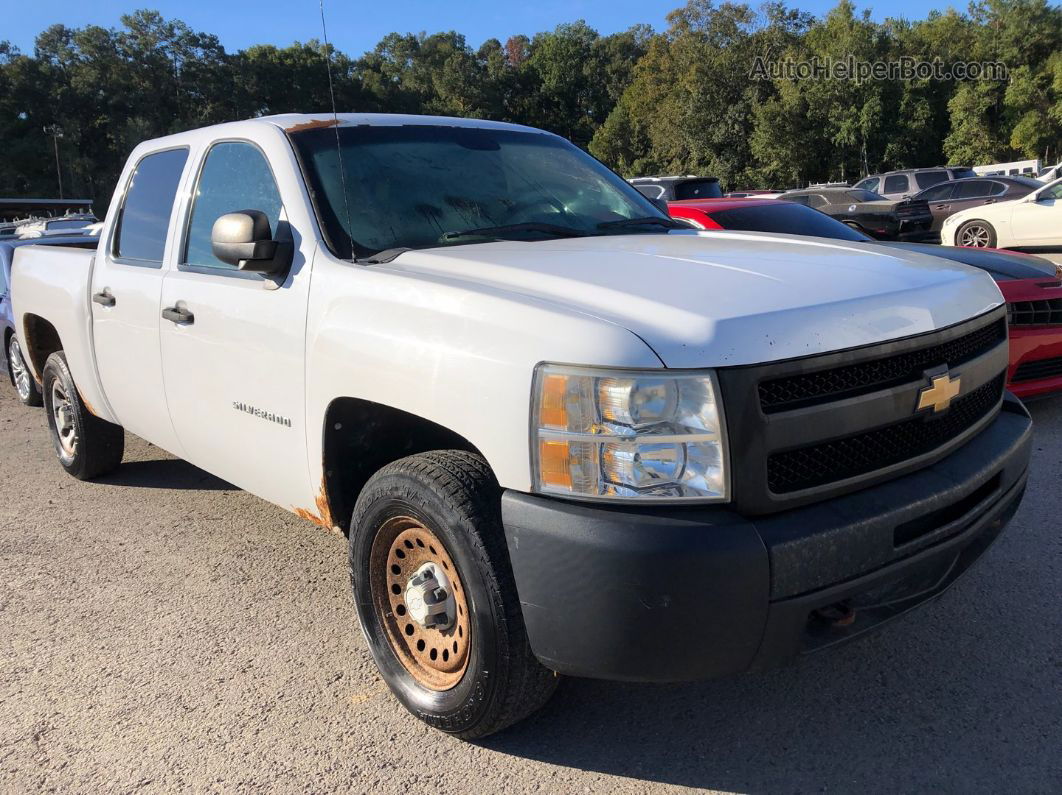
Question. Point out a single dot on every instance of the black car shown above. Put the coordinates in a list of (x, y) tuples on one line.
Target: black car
[(948, 198), (671, 189), (874, 215)]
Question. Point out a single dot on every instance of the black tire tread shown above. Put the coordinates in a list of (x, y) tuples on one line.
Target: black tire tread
[(101, 444), (466, 481)]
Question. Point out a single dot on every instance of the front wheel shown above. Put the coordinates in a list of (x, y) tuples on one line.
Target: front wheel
[(976, 234), (85, 445), (436, 596), (21, 379)]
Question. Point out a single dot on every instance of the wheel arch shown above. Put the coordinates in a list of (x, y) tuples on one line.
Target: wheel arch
[(360, 437), (40, 339)]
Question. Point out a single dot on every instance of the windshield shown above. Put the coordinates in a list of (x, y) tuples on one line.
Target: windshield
[(789, 218), (420, 186)]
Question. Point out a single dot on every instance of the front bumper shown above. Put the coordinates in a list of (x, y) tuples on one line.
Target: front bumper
[(1035, 361), (651, 594)]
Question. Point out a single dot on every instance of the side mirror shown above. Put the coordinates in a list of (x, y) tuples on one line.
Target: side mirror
[(243, 239)]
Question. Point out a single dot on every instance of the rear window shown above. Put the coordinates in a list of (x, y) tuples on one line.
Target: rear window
[(962, 173), (927, 179), (145, 214), (864, 195), (698, 189), (790, 219)]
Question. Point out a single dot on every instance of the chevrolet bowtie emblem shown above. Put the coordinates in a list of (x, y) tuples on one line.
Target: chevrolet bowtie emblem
[(938, 395)]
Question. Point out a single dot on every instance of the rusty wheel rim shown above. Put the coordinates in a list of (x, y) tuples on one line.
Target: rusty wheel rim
[(436, 658)]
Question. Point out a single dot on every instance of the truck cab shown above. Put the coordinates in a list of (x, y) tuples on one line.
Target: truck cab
[(558, 428)]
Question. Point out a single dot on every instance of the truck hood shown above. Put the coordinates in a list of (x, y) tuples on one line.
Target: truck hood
[(707, 299)]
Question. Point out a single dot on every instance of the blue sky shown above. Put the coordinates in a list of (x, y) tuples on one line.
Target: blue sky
[(354, 27)]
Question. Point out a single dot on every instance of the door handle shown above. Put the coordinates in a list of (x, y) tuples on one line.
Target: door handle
[(104, 298), (990, 201), (942, 207), (177, 315)]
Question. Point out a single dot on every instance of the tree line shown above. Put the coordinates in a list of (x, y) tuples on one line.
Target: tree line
[(683, 100)]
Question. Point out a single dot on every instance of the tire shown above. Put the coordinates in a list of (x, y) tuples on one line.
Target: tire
[(976, 234), (21, 379), (493, 679), (87, 447)]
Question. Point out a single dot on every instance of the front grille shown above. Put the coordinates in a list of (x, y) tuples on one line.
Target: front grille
[(808, 389), (840, 459), (1035, 313), (1034, 371)]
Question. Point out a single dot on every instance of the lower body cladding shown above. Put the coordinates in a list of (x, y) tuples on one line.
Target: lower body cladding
[(673, 593)]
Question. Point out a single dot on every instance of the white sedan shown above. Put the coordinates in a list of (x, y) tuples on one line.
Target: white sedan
[(1032, 223)]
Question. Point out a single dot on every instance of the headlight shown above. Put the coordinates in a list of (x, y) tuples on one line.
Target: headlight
[(628, 434)]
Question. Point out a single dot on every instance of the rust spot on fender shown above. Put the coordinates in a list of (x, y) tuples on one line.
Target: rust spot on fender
[(323, 515), (315, 124), (85, 403)]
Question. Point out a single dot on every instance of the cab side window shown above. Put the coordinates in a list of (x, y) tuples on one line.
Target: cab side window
[(897, 183), (816, 201), (235, 177), (145, 215)]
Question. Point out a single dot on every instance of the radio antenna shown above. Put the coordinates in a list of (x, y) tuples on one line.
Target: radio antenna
[(335, 126)]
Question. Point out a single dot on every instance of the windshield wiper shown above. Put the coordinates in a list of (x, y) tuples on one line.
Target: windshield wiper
[(496, 231), (667, 223), (381, 257)]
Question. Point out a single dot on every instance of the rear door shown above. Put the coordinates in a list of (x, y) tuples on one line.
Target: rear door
[(126, 291), (234, 367)]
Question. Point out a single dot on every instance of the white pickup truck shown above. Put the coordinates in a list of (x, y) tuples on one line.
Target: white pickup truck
[(563, 434)]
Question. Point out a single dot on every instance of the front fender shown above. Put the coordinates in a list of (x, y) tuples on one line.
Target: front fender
[(461, 357)]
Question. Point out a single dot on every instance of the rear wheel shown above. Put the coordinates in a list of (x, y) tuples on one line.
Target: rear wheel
[(85, 445), (976, 234), (21, 378), (436, 597)]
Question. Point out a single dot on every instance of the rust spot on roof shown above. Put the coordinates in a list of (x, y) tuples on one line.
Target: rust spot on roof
[(313, 124), (323, 515)]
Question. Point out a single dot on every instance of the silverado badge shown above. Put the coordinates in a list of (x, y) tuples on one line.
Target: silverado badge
[(938, 395)]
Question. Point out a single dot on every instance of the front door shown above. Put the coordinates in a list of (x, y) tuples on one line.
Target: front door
[(234, 365), (1039, 223), (126, 292)]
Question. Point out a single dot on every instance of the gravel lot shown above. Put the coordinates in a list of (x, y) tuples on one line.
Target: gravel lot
[(162, 630)]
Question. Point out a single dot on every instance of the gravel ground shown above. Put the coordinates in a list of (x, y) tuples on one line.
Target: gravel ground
[(162, 630)]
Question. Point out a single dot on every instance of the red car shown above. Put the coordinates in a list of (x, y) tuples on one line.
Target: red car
[(1032, 286)]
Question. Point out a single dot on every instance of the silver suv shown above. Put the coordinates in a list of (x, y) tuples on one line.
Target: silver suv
[(909, 181)]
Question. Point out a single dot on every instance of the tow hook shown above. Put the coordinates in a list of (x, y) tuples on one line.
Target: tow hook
[(429, 598), (840, 614)]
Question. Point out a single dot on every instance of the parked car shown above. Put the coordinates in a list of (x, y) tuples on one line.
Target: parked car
[(1032, 286), (1032, 224), (563, 435), (11, 357), (948, 198), (909, 181), (671, 188), (65, 225), (1050, 174), (908, 219)]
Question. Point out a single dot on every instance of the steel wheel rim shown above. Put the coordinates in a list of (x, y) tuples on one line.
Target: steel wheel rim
[(63, 417), (975, 237), (19, 371), (436, 658)]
